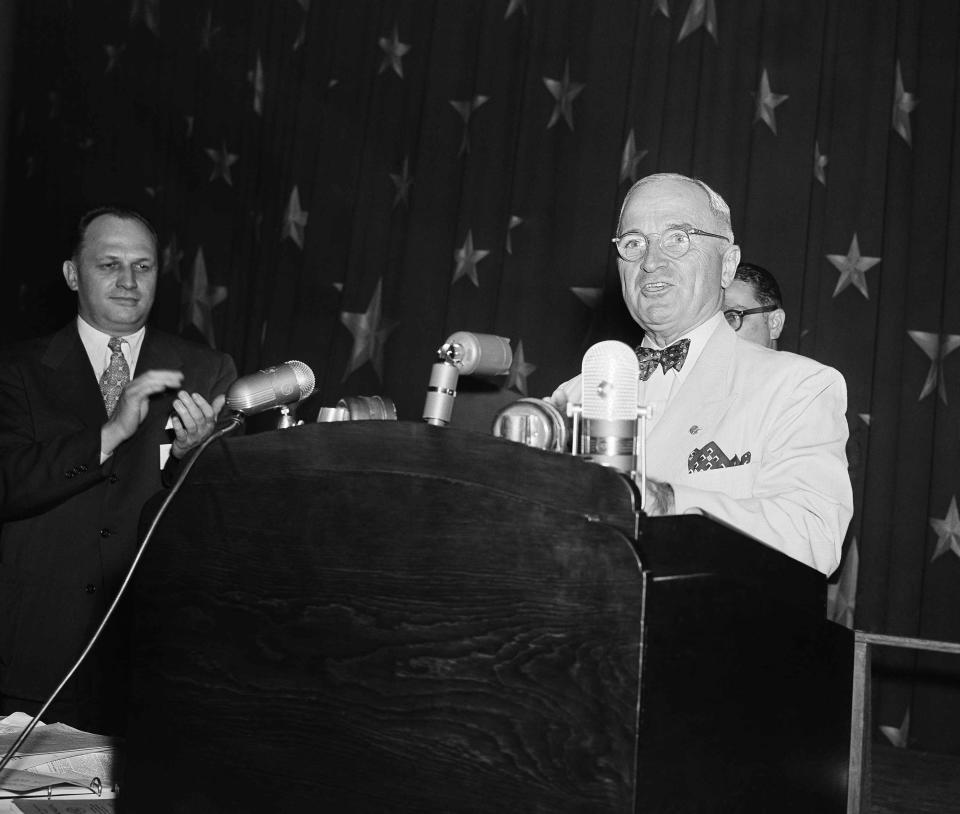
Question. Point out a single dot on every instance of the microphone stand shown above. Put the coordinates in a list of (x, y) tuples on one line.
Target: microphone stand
[(234, 421)]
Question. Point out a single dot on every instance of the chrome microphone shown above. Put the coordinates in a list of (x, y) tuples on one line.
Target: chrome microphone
[(532, 422), (463, 353), (359, 408), (271, 387), (611, 382)]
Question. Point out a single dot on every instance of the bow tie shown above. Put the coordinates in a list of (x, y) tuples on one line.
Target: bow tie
[(671, 357)]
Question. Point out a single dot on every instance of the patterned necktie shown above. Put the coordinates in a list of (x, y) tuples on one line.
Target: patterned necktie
[(116, 376), (671, 357)]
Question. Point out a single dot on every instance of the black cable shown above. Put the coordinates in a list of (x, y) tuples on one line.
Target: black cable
[(234, 422)]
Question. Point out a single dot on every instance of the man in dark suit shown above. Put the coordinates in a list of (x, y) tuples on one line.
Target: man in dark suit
[(89, 419)]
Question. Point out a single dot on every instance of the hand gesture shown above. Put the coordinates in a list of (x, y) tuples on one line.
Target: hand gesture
[(193, 421), (133, 404)]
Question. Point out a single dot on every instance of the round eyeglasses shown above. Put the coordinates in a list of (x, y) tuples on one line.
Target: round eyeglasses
[(735, 315), (675, 242)]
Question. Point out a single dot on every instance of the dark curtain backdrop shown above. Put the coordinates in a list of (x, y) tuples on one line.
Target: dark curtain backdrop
[(347, 183)]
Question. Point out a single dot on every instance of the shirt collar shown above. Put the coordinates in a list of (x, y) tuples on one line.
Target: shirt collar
[(95, 343), (698, 337)]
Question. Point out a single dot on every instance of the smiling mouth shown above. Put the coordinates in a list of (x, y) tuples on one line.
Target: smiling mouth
[(654, 288)]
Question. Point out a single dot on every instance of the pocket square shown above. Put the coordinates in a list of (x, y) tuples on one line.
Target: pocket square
[(710, 456)]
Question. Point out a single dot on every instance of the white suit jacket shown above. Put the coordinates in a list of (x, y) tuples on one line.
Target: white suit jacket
[(756, 438)]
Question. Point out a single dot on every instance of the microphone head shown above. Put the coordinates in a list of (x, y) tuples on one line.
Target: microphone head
[(611, 376), (271, 387), (483, 354), (533, 422)]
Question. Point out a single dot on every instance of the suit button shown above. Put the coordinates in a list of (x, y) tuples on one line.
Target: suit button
[(113, 479), (91, 588), (105, 532)]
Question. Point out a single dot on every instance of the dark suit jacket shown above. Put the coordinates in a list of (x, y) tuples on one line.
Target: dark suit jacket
[(69, 523)]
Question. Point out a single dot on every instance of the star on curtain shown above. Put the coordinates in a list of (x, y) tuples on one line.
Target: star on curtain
[(903, 105), (465, 109), (393, 53), (199, 298), (402, 181), (842, 596), (114, 52), (663, 6), (294, 219), (189, 121), (515, 5), (255, 78), (222, 160), (589, 296), (852, 268), (564, 92), (948, 531), (700, 13), (146, 12), (172, 255), (936, 347), (898, 735), (302, 33), (515, 221), (767, 102), (865, 418), (820, 162), (467, 258), (208, 31), (370, 331), (630, 158), (520, 368)]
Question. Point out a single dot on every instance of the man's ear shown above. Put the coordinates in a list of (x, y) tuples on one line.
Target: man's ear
[(775, 321), (70, 274), (730, 261)]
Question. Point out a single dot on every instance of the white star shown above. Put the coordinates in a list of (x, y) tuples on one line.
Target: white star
[(903, 105), (513, 6), (255, 78), (393, 52), (402, 181), (515, 221), (766, 102), (198, 300), (370, 331), (208, 32), (189, 121), (465, 109), (852, 268), (865, 418), (587, 295), (701, 13), (564, 92), (294, 219), (663, 6), (936, 347), (222, 160), (630, 158), (302, 33), (898, 736), (171, 259), (842, 596), (467, 258), (820, 162), (948, 531), (144, 11), (519, 370), (113, 54)]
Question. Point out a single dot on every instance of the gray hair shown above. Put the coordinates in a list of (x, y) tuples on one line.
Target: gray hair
[(718, 207)]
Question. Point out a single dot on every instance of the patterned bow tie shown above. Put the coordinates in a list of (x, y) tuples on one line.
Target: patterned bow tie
[(671, 357)]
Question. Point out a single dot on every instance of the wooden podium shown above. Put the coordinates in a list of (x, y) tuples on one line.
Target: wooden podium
[(393, 617)]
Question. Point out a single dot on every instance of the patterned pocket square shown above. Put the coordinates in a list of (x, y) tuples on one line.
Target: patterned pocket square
[(710, 456)]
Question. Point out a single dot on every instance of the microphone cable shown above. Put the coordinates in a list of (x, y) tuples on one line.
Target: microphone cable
[(234, 422)]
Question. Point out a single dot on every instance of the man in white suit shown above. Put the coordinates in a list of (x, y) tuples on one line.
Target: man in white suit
[(751, 436)]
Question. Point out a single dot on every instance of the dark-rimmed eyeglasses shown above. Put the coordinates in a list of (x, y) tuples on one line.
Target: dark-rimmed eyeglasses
[(735, 316), (632, 246)]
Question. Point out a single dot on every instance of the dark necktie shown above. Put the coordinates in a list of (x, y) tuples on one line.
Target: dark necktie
[(116, 376), (671, 357)]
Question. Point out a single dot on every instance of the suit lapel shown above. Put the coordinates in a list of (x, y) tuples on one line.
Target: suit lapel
[(71, 378), (698, 406)]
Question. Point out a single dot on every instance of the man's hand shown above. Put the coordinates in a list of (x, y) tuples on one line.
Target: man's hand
[(569, 392), (133, 404), (660, 500), (194, 421)]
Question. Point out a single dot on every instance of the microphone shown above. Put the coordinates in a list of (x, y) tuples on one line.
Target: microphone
[(271, 387), (533, 422), (360, 408), (611, 383), (462, 353)]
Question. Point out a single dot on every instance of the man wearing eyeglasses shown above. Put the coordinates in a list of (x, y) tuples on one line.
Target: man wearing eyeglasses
[(750, 436), (753, 306)]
